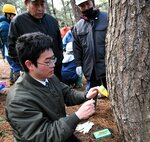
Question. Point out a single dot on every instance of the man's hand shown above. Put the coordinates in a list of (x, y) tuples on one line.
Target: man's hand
[(86, 110), (79, 71), (92, 92)]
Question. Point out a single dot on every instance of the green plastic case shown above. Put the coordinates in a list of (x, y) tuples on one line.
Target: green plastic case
[(102, 134)]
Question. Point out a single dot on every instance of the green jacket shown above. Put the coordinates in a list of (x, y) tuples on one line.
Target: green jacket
[(37, 113)]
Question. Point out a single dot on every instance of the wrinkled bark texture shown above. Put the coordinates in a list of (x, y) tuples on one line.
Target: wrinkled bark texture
[(128, 67)]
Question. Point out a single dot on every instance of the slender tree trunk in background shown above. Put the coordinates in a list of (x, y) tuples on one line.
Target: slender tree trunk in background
[(70, 12), (93, 2), (47, 7), (128, 67), (76, 11), (65, 12), (53, 9)]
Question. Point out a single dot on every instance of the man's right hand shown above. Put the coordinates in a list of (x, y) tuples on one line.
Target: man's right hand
[(79, 71), (86, 110)]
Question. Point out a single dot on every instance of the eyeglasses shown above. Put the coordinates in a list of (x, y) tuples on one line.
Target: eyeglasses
[(52, 61)]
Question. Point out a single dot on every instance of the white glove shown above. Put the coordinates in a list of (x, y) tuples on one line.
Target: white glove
[(85, 127), (79, 71)]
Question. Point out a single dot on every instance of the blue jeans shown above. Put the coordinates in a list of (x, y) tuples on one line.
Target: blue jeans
[(14, 67)]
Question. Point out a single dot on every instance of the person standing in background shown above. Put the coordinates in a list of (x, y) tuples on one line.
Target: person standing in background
[(69, 75), (64, 30), (36, 20), (89, 35), (66, 39), (9, 13)]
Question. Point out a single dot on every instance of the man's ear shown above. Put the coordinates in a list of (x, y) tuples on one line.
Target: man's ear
[(29, 65)]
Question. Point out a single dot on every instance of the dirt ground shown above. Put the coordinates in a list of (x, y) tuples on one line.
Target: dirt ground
[(102, 119)]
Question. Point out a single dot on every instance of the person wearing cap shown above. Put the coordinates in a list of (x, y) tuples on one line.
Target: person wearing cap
[(35, 105), (36, 20), (89, 35), (9, 11)]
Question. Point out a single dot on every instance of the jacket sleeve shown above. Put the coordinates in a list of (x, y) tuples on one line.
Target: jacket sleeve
[(73, 97), (29, 123), (12, 38), (77, 48)]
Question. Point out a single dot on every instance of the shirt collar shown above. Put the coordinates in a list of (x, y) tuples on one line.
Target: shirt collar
[(43, 82)]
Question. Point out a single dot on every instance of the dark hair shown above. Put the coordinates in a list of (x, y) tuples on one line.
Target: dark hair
[(30, 46)]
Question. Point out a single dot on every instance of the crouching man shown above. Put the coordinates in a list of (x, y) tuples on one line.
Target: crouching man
[(35, 106)]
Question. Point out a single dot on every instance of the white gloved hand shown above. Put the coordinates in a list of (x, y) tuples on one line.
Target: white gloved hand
[(79, 71)]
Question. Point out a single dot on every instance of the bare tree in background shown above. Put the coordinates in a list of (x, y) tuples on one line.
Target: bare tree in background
[(128, 67), (47, 7), (65, 12), (93, 2), (70, 12), (76, 11), (53, 9)]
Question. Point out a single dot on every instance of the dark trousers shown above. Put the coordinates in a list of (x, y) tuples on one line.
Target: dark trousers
[(97, 82)]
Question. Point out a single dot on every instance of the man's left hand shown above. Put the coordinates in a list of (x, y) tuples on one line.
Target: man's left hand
[(92, 92)]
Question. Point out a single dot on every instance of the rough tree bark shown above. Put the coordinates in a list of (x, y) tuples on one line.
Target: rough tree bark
[(128, 67)]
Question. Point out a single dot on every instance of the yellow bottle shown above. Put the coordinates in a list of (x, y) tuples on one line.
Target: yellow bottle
[(103, 91)]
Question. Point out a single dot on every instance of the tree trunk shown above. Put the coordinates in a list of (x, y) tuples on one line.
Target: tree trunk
[(53, 9), (65, 12), (93, 2), (47, 7), (76, 11), (128, 67)]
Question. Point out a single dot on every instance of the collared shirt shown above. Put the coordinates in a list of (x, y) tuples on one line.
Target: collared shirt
[(43, 82)]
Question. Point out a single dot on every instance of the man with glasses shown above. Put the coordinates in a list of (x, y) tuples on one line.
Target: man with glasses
[(36, 20), (35, 106), (52, 61), (89, 43)]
